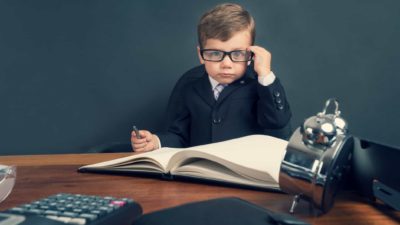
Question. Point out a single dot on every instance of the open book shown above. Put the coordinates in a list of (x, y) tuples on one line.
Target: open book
[(253, 160)]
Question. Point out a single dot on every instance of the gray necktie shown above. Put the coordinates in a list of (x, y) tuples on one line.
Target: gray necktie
[(218, 89)]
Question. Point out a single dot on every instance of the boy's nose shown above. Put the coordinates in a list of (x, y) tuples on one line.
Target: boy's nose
[(226, 61)]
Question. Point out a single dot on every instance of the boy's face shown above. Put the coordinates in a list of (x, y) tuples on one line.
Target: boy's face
[(226, 71)]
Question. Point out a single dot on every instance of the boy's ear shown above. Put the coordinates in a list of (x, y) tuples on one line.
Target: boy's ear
[(199, 55)]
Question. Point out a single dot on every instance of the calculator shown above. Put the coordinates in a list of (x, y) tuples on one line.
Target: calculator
[(80, 209)]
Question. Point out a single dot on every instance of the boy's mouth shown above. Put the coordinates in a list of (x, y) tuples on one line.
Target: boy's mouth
[(226, 75)]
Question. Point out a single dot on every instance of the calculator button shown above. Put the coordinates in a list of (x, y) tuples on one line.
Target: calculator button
[(59, 218), (62, 209), (17, 209), (118, 203), (70, 214), (97, 212), (35, 211), (88, 216), (77, 210), (51, 212), (106, 209), (80, 221)]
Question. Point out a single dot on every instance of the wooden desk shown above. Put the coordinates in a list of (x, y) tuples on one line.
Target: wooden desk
[(41, 175)]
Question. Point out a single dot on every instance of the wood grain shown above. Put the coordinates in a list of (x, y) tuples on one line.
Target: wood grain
[(41, 175)]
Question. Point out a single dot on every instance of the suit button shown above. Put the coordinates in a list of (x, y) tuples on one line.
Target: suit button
[(278, 100), (279, 106), (216, 120), (277, 93)]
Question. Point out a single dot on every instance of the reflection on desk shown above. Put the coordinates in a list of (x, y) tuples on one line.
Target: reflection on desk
[(39, 176)]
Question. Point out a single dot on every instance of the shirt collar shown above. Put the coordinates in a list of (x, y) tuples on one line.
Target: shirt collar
[(213, 82)]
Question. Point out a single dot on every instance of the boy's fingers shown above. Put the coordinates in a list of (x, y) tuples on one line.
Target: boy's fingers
[(146, 148), (149, 147), (144, 133), (262, 60), (139, 146), (137, 141), (253, 49), (139, 150), (149, 138), (258, 50)]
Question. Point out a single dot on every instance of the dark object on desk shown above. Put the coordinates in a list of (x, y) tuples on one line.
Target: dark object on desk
[(79, 209), (317, 158), (375, 171), (230, 211), (386, 194)]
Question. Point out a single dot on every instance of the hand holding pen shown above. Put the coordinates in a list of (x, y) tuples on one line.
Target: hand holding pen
[(143, 140), (137, 134)]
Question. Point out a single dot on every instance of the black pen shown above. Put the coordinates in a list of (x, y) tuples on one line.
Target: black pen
[(136, 132)]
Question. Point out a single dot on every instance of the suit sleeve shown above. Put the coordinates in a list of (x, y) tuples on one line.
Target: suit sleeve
[(177, 116), (177, 134), (273, 110)]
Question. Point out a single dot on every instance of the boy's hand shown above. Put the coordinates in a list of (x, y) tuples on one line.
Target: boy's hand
[(147, 142), (262, 60)]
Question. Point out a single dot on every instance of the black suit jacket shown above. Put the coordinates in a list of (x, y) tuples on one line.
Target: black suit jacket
[(244, 107)]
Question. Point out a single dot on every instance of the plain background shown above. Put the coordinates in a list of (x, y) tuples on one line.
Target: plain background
[(75, 74)]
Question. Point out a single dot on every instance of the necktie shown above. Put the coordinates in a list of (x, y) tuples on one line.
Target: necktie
[(218, 89)]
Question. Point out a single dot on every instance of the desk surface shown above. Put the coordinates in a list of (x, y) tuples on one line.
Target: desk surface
[(41, 175)]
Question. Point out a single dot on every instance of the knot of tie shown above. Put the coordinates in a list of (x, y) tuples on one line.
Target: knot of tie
[(218, 89)]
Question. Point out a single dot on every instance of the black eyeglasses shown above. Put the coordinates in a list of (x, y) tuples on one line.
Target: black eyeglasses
[(218, 55)]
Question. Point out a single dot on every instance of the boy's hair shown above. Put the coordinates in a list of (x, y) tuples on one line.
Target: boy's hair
[(223, 21)]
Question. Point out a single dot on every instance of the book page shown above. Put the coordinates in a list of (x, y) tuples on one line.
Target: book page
[(154, 161), (210, 170), (253, 158)]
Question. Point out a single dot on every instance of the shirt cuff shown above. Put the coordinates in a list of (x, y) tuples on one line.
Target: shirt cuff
[(266, 80), (158, 141)]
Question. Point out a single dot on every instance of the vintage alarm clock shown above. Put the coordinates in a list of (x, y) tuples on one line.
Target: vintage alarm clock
[(317, 157)]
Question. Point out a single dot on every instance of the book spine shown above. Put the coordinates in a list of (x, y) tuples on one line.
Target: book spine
[(167, 176)]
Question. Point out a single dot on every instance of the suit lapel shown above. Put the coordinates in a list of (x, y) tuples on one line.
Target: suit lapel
[(228, 90), (203, 89)]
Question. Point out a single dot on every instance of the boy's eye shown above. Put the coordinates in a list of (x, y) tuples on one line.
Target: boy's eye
[(239, 54), (214, 53)]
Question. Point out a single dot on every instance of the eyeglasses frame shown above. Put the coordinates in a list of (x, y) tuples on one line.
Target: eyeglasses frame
[(225, 54)]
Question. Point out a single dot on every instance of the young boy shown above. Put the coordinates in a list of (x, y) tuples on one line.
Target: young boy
[(232, 96)]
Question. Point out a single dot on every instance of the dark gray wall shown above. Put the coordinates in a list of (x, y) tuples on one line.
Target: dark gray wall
[(77, 74)]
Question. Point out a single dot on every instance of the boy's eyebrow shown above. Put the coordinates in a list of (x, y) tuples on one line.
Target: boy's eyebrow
[(234, 49), (245, 48)]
